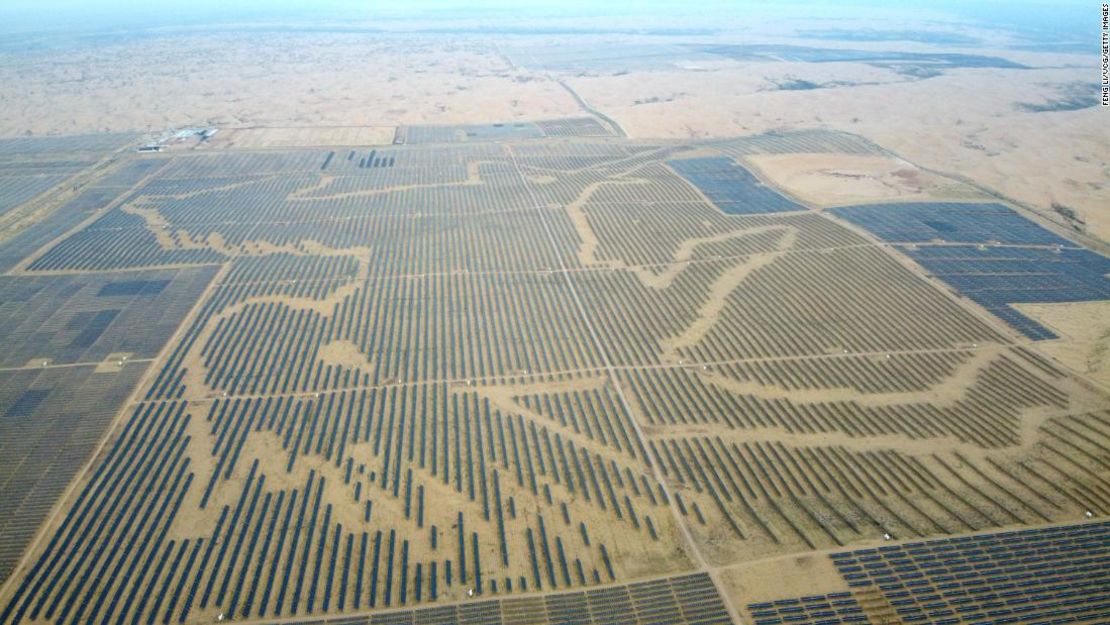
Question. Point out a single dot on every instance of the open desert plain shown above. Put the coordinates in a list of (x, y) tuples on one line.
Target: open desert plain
[(762, 315)]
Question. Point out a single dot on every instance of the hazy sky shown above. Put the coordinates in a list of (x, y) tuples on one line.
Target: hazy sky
[(373, 6), (26, 14)]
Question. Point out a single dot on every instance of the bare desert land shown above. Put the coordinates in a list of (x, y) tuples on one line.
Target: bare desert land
[(544, 327), (1025, 128)]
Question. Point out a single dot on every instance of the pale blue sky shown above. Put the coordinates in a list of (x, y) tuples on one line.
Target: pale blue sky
[(21, 14), (570, 6)]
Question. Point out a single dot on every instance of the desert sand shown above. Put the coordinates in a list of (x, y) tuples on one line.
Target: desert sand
[(839, 179), (1084, 331), (966, 122), (268, 79)]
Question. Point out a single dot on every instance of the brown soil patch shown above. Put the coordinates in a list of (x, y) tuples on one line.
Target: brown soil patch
[(838, 179)]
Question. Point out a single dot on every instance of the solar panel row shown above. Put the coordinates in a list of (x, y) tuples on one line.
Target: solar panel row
[(681, 600), (732, 188), (995, 272), (1045, 575)]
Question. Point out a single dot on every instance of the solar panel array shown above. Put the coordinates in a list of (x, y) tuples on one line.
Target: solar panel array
[(1014, 260), (50, 421), (951, 222), (995, 278), (424, 370), (470, 132), (733, 188), (102, 142), (1049, 575), (680, 600), (82, 319), (812, 141), (577, 127), (1010, 577), (16, 189), (830, 609)]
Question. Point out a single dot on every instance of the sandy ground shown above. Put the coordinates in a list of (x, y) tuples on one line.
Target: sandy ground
[(268, 79), (790, 576), (967, 122), (1084, 330), (840, 179)]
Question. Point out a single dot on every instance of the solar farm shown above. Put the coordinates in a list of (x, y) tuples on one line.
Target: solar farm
[(531, 373)]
